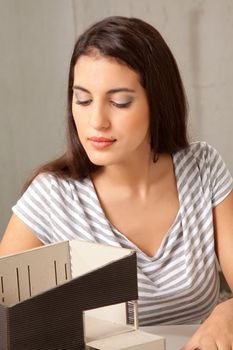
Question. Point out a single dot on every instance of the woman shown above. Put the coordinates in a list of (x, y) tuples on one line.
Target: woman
[(130, 178)]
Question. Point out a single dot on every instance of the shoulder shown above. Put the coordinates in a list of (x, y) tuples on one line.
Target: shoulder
[(196, 149), (53, 185), (208, 158), (202, 162), (199, 153), (202, 150)]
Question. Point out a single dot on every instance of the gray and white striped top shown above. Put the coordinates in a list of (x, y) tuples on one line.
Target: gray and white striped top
[(180, 283)]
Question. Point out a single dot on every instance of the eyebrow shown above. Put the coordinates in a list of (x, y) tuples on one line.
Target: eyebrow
[(112, 91)]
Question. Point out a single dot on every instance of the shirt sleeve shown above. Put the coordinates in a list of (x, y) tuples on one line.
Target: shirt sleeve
[(221, 183), (34, 208)]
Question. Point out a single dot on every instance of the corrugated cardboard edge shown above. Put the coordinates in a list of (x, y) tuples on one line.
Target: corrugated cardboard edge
[(4, 336)]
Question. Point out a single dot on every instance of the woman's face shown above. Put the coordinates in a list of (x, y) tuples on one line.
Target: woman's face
[(110, 111)]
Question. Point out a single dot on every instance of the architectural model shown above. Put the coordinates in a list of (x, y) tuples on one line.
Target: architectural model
[(71, 295)]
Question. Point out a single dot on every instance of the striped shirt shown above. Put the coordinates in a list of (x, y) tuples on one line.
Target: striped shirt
[(180, 283)]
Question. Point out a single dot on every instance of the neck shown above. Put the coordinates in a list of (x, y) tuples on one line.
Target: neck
[(134, 177)]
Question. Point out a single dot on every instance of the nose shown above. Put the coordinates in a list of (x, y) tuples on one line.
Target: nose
[(99, 117)]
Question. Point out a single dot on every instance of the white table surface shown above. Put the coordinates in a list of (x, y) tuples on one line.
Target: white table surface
[(176, 336)]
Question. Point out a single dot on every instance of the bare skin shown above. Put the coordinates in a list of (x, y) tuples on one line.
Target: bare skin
[(123, 203), (18, 237)]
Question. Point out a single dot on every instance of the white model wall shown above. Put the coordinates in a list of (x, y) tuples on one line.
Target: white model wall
[(36, 41)]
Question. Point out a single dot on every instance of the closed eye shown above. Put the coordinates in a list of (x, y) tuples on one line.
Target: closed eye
[(121, 105), (83, 103), (115, 104)]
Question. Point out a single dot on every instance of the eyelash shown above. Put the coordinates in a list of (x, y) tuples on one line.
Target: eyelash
[(117, 105)]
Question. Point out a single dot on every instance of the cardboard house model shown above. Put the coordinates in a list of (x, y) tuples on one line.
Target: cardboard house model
[(71, 295)]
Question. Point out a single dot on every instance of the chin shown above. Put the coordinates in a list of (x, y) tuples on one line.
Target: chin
[(102, 161)]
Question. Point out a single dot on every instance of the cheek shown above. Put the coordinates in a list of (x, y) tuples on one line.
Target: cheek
[(138, 123), (81, 129), (140, 114), (138, 127), (77, 118), (77, 124)]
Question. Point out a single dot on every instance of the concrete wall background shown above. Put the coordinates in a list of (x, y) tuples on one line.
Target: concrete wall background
[(36, 41)]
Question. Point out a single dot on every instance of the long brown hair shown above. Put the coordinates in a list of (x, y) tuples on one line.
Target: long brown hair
[(140, 46)]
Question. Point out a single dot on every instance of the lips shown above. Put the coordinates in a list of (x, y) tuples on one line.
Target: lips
[(100, 139), (101, 142)]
